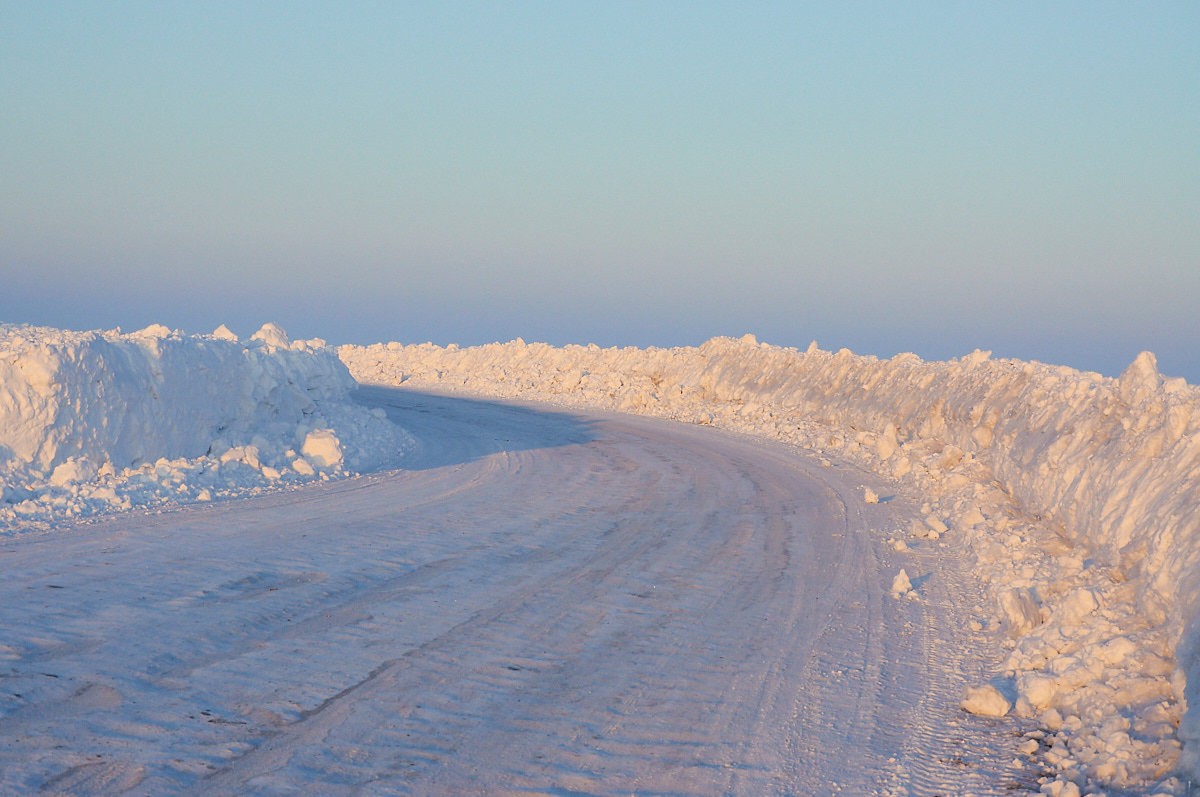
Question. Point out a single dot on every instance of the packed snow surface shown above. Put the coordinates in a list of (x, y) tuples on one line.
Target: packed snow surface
[(96, 421), (1075, 493)]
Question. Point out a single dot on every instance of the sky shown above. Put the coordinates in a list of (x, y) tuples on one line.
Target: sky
[(1022, 177)]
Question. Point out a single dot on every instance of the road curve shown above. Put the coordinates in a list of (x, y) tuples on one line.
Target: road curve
[(541, 603)]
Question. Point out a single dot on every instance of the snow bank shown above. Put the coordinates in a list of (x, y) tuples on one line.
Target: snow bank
[(92, 421), (1076, 492)]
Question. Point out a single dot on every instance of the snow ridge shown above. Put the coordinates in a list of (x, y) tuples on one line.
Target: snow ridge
[(94, 421), (1076, 492)]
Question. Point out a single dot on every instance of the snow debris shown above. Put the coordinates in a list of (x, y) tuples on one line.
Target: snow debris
[(901, 585), (870, 496), (93, 422), (1075, 494), (987, 701)]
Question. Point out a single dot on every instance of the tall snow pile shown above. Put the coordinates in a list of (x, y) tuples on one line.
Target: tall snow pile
[(92, 421), (1078, 494)]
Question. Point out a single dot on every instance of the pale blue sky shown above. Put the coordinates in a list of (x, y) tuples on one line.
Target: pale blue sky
[(928, 177)]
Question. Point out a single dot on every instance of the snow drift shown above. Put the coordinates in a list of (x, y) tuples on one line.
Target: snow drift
[(1077, 493), (91, 421)]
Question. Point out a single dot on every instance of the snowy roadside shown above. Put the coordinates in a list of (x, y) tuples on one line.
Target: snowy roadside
[(1073, 492), (93, 422)]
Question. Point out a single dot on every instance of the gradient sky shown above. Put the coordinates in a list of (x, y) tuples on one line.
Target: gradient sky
[(927, 177)]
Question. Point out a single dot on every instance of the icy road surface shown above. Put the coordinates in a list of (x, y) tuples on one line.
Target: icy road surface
[(542, 604)]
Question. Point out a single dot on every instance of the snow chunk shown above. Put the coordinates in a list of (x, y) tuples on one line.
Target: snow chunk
[(922, 530), (247, 455), (1019, 612), (1140, 379), (322, 448), (951, 456), (75, 469), (152, 331), (225, 333), (972, 517), (1075, 606), (888, 442), (1061, 788), (1038, 690), (986, 701), (272, 335), (901, 585), (976, 358)]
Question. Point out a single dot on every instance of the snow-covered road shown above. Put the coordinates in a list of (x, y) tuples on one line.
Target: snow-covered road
[(541, 603)]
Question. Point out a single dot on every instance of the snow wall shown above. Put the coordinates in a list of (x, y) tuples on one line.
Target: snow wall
[(1111, 465), (98, 420)]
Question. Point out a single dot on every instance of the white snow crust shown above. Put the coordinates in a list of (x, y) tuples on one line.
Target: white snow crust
[(1076, 493), (98, 421)]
